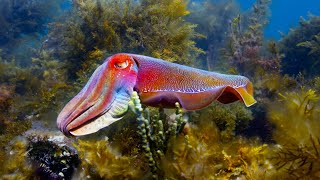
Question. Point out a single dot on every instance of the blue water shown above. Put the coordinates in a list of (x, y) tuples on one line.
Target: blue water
[(285, 14)]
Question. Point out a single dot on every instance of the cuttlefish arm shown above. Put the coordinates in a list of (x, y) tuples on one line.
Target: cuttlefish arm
[(106, 96), (103, 100)]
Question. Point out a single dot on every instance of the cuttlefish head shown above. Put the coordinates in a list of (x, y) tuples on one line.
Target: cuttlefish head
[(103, 100)]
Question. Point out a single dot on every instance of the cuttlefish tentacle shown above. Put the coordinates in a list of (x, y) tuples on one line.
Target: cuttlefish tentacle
[(105, 97)]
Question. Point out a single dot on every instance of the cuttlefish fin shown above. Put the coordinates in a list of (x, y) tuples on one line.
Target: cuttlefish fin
[(118, 109), (231, 94)]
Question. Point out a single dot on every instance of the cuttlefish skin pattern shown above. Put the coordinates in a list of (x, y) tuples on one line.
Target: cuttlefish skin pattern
[(159, 83)]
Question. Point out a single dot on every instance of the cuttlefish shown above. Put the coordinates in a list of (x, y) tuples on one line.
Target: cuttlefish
[(106, 96)]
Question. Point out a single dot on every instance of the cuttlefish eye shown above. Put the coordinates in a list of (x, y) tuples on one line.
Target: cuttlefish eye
[(121, 65)]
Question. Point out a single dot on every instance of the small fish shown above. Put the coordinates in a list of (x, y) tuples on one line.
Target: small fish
[(105, 98)]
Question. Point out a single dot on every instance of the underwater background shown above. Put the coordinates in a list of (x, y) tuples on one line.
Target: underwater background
[(49, 49)]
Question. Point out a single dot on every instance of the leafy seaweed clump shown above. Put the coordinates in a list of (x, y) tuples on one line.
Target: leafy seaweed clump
[(296, 119), (26, 94), (301, 48), (211, 17), (201, 153), (298, 116), (15, 164), (95, 29), (10, 126), (35, 88), (246, 50), (100, 160), (228, 118), (200, 149)]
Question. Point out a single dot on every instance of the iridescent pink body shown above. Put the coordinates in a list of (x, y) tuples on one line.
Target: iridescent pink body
[(105, 97), (162, 83)]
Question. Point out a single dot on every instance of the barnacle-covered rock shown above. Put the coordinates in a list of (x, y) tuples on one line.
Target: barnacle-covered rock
[(53, 161)]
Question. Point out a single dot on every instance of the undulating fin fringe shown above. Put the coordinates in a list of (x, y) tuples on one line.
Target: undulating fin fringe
[(244, 94), (246, 98)]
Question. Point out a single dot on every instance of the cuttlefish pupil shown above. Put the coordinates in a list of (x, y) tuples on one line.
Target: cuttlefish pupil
[(105, 97)]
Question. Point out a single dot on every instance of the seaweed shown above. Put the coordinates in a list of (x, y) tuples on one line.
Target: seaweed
[(313, 45), (181, 149), (211, 17), (301, 48), (158, 143), (299, 161), (11, 125), (201, 153), (297, 133), (36, 88), (95, 29), (249, 54), (155, 135), (24, 25), (101, 161), (27, 94), (16, 165), (246, 50), (230, 119)]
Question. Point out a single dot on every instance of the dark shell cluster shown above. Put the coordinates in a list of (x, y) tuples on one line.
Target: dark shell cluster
[(53, 161)]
